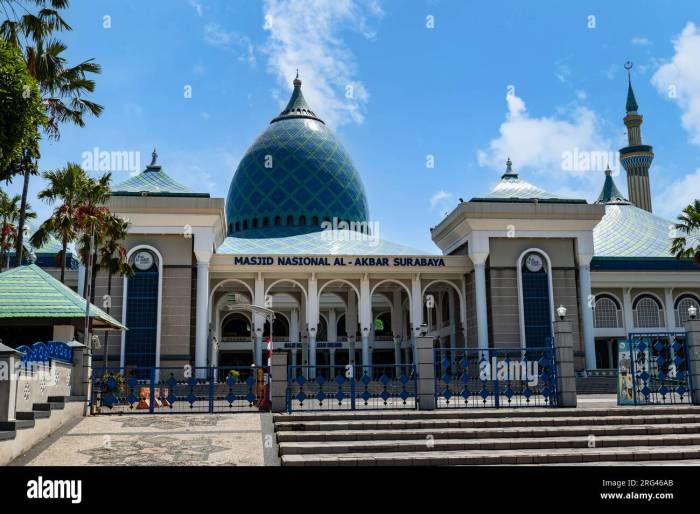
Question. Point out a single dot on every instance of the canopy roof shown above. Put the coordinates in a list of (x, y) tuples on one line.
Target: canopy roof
[(30, 292), (292, 241), (153, 181)]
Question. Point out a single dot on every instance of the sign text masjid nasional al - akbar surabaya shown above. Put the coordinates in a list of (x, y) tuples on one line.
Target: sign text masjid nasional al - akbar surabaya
[(339, 261)]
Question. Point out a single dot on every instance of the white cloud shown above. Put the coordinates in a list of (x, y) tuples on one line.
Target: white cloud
[(544, 144), (306, 35), (679, 79), (641, 41), (197, 7), (440, 198), (216, 35), (562, 72), (678, 195)]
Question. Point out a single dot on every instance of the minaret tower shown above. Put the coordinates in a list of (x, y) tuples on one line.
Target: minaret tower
[(635, 157)]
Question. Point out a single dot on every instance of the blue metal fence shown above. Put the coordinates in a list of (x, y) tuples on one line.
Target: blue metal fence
[(351, 387), (495, 377), (660, 368), (165, 390)]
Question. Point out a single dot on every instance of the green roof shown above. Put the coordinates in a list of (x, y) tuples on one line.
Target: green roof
[(153, 181), (30, 292), (628, 231), (610, 192), (512, 188)]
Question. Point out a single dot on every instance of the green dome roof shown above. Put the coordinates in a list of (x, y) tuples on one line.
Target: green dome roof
[(295, 175)]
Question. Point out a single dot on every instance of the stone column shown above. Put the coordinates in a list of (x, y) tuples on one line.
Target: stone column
[(564, 356), (312, 356), (278, 386), (258, 320), (79, 377), (332, 326), (294, 326), (425, 369), (200, 352), (669, 310), (331, 359), (365, 318), (9, 359), (692, 327), (584, 279), (481, 305)]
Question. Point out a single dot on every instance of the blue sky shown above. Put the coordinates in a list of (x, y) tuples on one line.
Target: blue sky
[(467, 83)]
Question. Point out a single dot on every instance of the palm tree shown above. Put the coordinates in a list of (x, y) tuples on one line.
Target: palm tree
[(62, 87), (113, 259), (90, 217), (66, 186), (9, 214), (689, 224)]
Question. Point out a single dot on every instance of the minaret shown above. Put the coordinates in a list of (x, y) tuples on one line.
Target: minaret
[(635, 157)]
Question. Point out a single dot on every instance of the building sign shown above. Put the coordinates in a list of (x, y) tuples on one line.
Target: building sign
[(318, 345), (143, 260), (381, 262)]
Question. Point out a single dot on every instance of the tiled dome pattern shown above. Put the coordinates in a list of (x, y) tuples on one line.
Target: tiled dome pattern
[(296, 168)]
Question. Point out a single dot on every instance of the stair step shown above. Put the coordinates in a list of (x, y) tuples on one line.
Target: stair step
[(6, 435), (485, 413), (56, 399), (544, 443), (48, 406), (20, 424), (481, 433), (33, 414), (361, 424), (498, 457)]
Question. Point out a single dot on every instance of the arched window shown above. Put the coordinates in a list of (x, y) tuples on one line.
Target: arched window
[(245, 224), (314, 221), (535, 298), (682, 303), (278, 221), (290, 221), (266, 222), (255, 222), (302, 221), (142, 299), (607, 313), (648, 312), (238, 226)]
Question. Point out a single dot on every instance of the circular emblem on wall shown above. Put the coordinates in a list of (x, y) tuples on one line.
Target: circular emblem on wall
[(143, 260), (534, 263)]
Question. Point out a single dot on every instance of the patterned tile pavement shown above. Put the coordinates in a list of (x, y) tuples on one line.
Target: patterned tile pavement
[(158, 440)]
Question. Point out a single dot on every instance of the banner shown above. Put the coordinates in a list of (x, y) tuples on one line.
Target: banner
[(625, 379)]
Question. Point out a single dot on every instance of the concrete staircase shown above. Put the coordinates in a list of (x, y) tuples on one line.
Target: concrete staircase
[(490, 436), (596, 385)]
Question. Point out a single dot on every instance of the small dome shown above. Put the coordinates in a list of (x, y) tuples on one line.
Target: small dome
[(296, 175)]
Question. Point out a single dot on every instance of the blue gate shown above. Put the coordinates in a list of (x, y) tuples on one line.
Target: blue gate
[(358, 387), (165, 390), (659, 366), (495, 377)]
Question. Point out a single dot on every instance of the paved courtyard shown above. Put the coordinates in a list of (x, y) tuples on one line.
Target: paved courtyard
[(155, 440)]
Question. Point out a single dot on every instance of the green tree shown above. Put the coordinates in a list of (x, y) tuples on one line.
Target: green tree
[(113, 259), (62, 87), (9, 215), (21, 111), (689, 225), (66, 187)]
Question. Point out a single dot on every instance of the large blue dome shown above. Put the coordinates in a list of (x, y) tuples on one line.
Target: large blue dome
[(295, 176)]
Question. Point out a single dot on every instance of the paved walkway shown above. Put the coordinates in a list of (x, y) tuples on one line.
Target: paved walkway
[(156, 440)]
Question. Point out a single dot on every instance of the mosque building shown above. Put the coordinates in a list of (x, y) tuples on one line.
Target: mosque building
[(294, 236)]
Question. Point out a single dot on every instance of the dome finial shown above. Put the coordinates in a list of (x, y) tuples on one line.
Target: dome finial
[(154, 157), (297, 81), (631, 105), (608, 171), (509, 173)]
